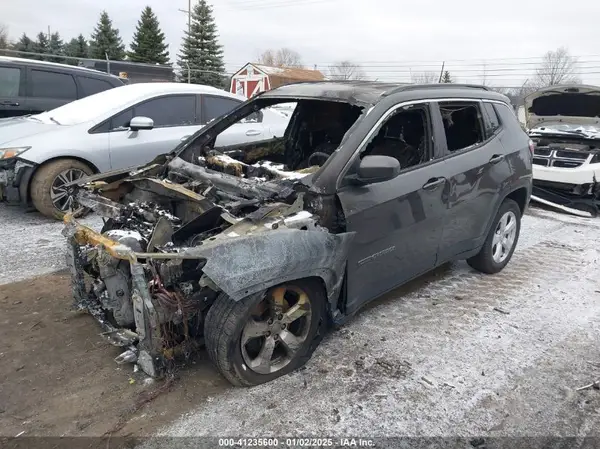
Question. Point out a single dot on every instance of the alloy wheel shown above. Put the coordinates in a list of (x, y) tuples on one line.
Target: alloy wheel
[(276, 329), (61, 195), (504, 237)]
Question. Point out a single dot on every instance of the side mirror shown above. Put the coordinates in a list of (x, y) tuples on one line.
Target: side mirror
[(140, 123), (373, 169)]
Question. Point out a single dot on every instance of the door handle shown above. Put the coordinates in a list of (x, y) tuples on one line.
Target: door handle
[(496, 158), (10, 103), (253, 132), (433, 183)]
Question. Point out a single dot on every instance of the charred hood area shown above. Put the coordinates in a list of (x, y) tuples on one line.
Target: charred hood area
[(208, 220)]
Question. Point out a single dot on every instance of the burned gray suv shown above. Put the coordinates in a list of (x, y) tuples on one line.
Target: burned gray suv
[(254, 250)]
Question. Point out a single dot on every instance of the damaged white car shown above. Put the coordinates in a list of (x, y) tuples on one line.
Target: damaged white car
[(564, 125)]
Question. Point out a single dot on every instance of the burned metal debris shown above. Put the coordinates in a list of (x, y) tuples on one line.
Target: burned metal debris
[(212, 221)]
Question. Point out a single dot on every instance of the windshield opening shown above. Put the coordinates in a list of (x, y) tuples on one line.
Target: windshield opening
[(283, 140)]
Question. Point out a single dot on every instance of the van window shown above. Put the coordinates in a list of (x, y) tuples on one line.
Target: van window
[(91, 86), (46, 84), (10, 81)]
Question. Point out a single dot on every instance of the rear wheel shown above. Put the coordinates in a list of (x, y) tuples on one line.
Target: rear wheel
[(49, 193), (266, 335), (501, 241)]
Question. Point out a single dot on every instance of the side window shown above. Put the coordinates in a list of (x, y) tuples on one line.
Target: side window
[(10, 82), (91, 86), (404, 136), (175, 110), (490, 119), (121, 120), (214, 107), (462, 123), (52, 85)]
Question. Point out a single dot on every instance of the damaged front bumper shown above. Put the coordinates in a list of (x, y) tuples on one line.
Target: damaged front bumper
[(146, 344), (15, 176)]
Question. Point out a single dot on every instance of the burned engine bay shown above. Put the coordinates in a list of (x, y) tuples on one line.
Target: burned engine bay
[(232, 220)]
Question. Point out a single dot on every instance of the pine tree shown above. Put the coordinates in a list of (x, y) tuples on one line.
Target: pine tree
[(56, 47), (24, 44), (76, 48), (40, 45), (105, 40), (201, 50), (446, 78), (148, 40)]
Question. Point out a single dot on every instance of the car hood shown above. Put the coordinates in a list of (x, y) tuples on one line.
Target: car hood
[(14, 129), (565, 104)]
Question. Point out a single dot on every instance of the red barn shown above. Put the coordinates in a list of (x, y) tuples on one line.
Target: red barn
[(254, 78)]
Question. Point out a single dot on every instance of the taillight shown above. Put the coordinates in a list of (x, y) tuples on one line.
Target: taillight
[(531, 146)]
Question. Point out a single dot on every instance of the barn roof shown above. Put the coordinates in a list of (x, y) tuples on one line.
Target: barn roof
[(291, 72)]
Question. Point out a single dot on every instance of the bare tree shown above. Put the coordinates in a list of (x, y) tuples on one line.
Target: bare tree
[(557, 67), (346, 70), (3, 36), (284, 57), (425, 78)]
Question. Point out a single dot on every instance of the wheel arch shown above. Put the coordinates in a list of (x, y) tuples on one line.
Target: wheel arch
[(520, 194), (25, 186), (246, 265)]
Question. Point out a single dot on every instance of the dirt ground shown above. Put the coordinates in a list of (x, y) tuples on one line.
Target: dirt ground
[(58, 377)]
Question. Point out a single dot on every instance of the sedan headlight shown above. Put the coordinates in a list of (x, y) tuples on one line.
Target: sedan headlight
[(8, 153)]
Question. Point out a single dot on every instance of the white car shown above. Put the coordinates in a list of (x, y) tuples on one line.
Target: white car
[(564, 125), (115, 129)]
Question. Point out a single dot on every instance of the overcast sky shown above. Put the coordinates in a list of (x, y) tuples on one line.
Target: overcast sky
[(388, 37)]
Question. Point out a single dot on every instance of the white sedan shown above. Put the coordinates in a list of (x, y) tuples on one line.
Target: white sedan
[(118, 128)]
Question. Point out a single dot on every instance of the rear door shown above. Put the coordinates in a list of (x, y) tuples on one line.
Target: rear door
[(12, 91), (48, 89), (174, 117), (476, 163), (398, 222), (248, 130)]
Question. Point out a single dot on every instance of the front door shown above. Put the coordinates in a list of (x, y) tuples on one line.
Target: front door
[(398, 222), (174, 119)]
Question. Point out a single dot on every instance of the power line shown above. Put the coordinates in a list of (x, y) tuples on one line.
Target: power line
[(270, 4)]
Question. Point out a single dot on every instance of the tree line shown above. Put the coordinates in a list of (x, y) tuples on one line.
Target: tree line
[(200, 50)]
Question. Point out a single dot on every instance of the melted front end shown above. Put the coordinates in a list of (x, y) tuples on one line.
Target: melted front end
[(143, 275)]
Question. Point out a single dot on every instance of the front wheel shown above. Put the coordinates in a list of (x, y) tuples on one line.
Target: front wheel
[(501, 241), (264, 336), (49, 193)]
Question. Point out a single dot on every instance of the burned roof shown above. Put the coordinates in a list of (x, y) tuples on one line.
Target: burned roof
[(370, 92)]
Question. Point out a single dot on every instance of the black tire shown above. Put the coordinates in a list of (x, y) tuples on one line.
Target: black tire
[(42, 181), (225, 322), (484, 260)]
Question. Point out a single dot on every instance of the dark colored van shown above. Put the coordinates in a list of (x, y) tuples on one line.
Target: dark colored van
[(28, 86)]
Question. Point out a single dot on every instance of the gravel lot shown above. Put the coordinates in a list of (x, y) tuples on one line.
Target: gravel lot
[(455, 353), (31, 244)]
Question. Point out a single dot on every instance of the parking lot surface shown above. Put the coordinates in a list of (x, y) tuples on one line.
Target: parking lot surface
[(454, 353)]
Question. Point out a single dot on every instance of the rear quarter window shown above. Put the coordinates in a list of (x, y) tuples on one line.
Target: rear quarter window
[(91, 86)]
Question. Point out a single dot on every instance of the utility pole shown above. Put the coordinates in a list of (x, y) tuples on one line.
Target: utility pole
[(189, 13)]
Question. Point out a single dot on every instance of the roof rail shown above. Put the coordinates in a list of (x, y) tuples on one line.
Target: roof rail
[(444, 85)]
